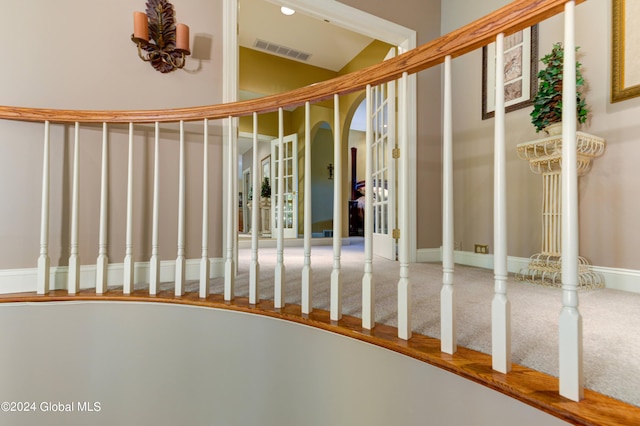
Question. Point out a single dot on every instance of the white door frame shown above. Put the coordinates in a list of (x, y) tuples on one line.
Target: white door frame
[(246, 214), (352, 19)]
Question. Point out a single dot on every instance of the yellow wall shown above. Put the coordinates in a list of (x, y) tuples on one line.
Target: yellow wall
[(268, 74)]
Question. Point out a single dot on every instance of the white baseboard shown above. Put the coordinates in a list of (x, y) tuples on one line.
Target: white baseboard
[(429, 255), (614, 278), (24, 280), (620, 279)]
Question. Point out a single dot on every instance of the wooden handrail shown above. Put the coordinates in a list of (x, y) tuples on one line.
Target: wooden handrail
[(511, 18)]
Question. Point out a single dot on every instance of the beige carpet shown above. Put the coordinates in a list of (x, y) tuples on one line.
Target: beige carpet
[(611, 319)]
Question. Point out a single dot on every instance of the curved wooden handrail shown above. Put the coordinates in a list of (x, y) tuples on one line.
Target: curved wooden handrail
[(513, 17)]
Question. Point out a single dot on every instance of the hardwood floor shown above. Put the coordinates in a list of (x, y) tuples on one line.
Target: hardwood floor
[(529, 386)]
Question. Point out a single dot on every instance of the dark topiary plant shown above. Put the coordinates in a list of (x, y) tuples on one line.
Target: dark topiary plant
[(265, 190), (547, 103)]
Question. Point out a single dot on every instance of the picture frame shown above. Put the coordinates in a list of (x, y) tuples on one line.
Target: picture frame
[(625, 50), (266, 168), (521, 72)]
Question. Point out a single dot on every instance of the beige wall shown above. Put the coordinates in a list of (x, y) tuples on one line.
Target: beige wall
[(72, 54), (423, 16), (89, 62), (609, 194), (78, 54)]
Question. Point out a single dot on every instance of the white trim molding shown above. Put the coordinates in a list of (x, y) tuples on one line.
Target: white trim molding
[(24, 280), (614, 278)]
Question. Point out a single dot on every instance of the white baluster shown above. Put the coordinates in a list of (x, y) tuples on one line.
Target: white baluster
[(570, 327), (236, 210), (448, 339), (404, 284), (154, 263), (205, 263), (254, 267), (500, 306), (128, 252), (307, 281), (180, 259), (368, 287), (42, 285), (279, 291), (336, 273), (73, 282), (102, 262), (229, 267)]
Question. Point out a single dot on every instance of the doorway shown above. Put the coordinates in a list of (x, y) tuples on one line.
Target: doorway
[(246, 201), (285, 157), (354, 20), (322, 181)]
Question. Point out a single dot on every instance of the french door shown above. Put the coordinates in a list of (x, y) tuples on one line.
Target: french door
[(289, 159), (384, 168)]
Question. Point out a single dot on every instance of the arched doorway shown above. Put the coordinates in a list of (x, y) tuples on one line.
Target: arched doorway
[(322, 181)]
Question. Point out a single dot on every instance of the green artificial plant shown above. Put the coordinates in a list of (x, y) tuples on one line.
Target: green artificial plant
[(547, 103), (265, 190)]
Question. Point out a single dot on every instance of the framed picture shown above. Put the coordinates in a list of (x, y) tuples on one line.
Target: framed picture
[(520, 72), (625, 50), (266, 168)]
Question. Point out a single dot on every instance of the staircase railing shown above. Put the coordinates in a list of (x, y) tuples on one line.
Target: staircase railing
[(516, 16)]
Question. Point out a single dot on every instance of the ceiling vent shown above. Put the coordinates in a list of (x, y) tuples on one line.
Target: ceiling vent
[(278, 49)]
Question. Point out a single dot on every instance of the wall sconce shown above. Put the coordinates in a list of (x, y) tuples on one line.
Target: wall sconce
[(169, 43), (330, 168)]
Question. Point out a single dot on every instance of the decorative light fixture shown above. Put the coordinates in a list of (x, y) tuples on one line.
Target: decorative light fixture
[(169, 44), (287, 11)]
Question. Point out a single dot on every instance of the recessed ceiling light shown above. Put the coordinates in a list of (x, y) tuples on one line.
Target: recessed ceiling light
[(287, 11)]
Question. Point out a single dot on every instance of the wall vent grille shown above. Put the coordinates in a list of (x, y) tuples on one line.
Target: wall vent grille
[(281, 50)]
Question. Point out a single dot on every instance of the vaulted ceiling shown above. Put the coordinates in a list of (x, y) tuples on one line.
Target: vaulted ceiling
[(309, 40)]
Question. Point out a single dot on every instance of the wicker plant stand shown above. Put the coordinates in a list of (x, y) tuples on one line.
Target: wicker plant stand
[(545, 158)]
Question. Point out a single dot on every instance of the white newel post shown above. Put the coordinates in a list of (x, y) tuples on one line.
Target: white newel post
[(43, 260), (205, 263), (448, 342), (102, 262), (73, 280), (404, 284), (307, 283), (500, 307), (336, 273), (180, 257), (128, 278), (570, 327), (254, 267), (368, 286), (278, 297)]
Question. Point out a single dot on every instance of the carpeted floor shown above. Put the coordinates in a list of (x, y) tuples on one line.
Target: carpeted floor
[(611, 318)]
